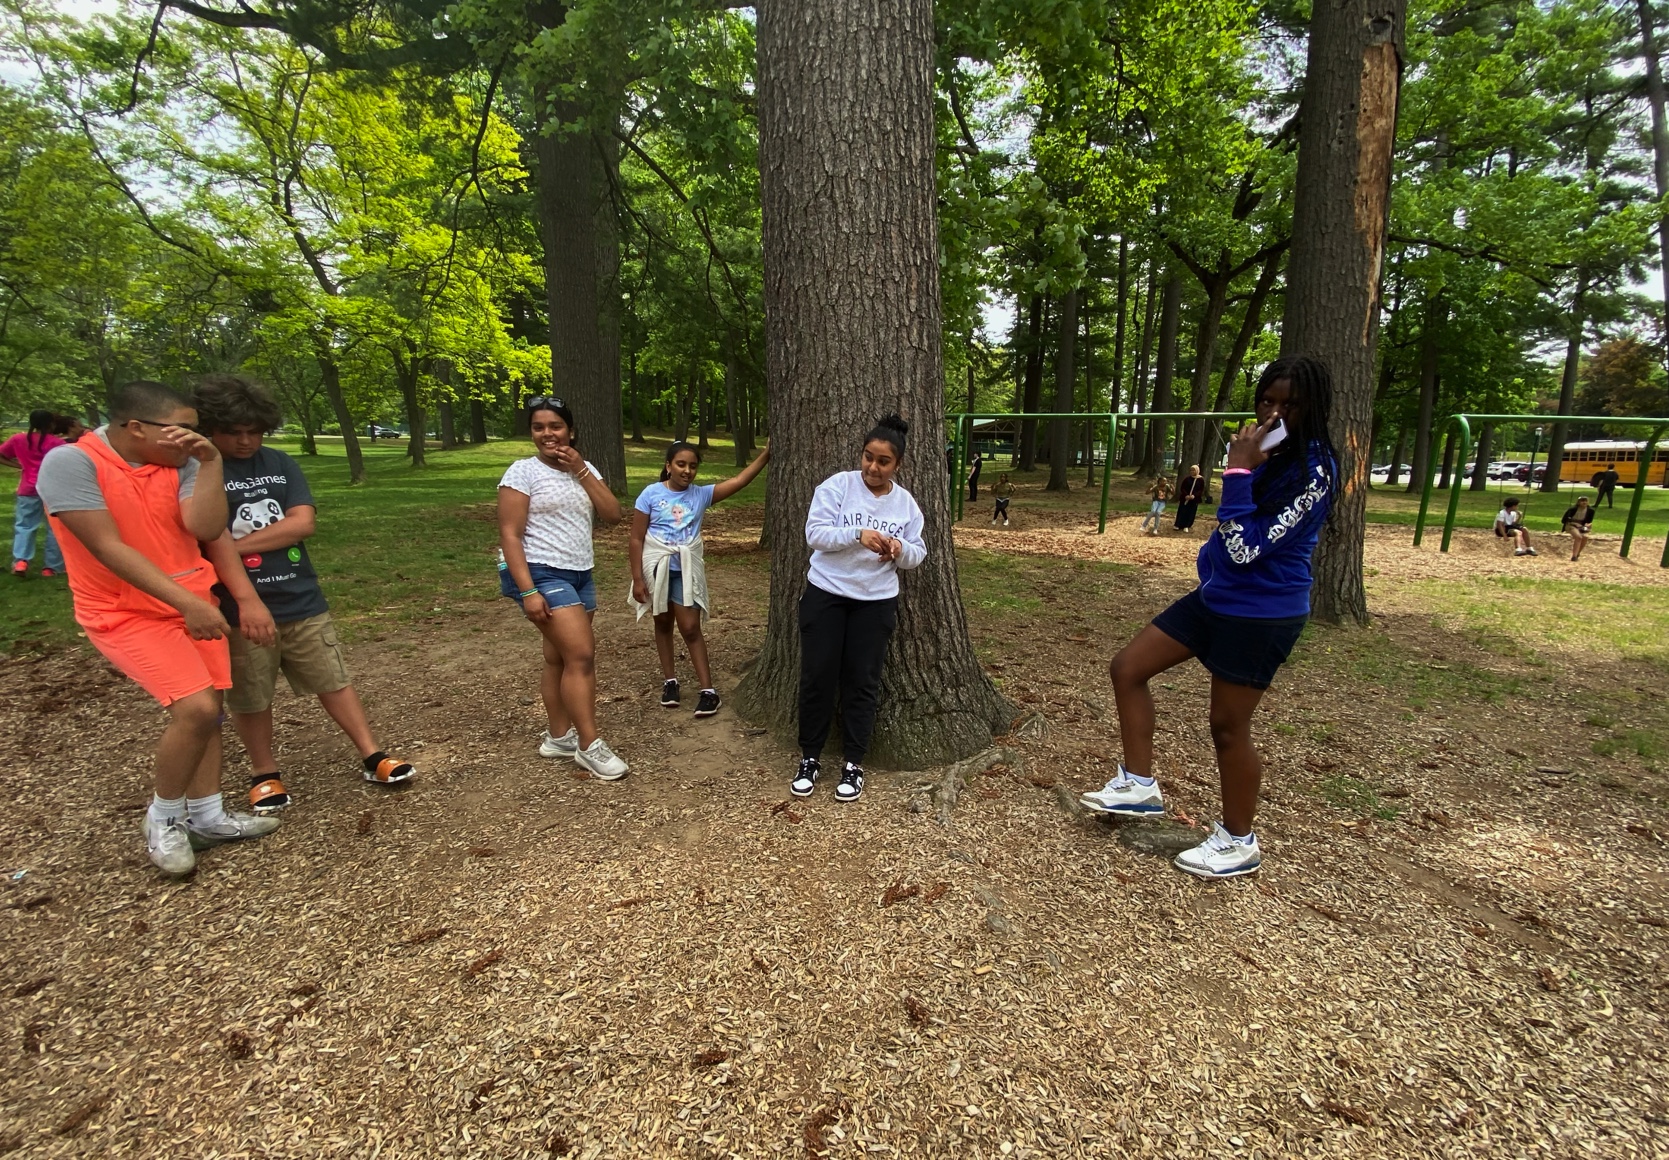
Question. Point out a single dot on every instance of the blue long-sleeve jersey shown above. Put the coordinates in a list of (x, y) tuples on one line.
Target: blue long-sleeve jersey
[(1257, 565)]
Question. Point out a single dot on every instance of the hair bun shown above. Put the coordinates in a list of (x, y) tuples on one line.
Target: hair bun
[(892, 422)]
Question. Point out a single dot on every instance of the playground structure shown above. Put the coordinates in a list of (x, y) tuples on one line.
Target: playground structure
[(1462, 424), (965, 420)]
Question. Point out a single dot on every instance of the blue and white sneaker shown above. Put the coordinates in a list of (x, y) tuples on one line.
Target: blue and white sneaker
[(1222, 855), (1127, 796)]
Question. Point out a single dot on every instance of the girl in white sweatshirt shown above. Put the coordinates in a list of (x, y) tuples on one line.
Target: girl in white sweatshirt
[(862, 528)]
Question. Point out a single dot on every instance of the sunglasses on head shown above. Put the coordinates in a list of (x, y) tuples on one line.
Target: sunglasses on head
[(546, 401), (192, 427)]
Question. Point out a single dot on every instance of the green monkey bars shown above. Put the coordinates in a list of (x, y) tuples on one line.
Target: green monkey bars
[(964, 435), (1463, 424)]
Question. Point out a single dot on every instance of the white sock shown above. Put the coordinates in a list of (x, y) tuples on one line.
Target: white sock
[(166, 809), (1136, 776), (715, 692), (206, 812)]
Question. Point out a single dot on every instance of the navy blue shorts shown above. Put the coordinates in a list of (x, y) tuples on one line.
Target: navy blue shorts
[(561, 587), (1238, 649)]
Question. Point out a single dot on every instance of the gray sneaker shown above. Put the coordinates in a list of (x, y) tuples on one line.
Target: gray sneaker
[(235, 828), (565, 746), (602, 761), (169, 846)]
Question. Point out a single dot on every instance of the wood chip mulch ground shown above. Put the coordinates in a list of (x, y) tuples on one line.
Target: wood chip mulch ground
[(1456, 946)]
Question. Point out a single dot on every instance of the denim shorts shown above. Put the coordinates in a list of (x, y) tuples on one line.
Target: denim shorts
[(674, 587), (1238, 649), (561, 587)]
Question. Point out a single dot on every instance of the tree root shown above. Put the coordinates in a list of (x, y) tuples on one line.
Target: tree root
[(949, 787)]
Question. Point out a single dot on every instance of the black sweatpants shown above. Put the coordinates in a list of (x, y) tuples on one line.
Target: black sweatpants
[(843, 643)]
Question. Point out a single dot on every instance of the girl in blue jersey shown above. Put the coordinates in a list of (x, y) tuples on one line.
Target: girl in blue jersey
[(1246, 615)]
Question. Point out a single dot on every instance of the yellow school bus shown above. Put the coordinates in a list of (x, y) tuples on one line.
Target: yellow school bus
[(1585, 460)]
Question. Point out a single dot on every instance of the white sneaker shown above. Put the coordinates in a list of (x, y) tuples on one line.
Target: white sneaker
[(602, 761), (1222, 855), (235, 828), (565, 746), (1126, 796), (169, 846)]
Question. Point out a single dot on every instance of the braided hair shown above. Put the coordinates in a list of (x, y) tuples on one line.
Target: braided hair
[(1309, 445), (40, 426)]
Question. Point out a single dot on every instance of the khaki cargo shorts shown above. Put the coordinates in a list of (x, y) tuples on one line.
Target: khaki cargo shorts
[(309, 653)]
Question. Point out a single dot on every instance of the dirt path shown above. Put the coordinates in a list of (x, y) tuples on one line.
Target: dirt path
[(1456, 947)]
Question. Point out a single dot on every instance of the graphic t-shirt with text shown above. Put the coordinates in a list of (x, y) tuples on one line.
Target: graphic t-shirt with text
[(675, 516), (260, 491)]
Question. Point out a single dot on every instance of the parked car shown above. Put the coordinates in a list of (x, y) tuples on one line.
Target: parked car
[(1522, 474), (378, 431), (1506, 468), (1383, 471)]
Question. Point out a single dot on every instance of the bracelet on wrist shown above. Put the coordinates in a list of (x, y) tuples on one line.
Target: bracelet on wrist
[(530, 592)]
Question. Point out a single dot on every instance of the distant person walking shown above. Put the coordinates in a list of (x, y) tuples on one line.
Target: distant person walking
[(1578, 521), (669, 564), (1188, 497), (862, 529), (973, 475), (1509, 525), (546, 506), (1160, 490), (24, 451), (1002, 493), (1606, 481), (1244, 618)]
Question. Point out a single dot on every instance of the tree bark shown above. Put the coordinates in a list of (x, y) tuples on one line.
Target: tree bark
[(1089, 402), (1031, 397), (1136, 445), (1115, 391), (1396, 457), (417, 422), (1250, 323), (1340, 218), (1066, 380), (686, 396), (1448, 461), (1205, 354), (331, 374), (582, 260), (853, 329), (637, 406), (1480, 465), (477, 421), (1660, 142), (1170, 310), (1436, 313), (1567, 382), (448, 425), (704, 410)]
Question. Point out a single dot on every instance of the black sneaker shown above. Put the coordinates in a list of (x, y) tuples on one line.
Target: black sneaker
[(669, 693), (806, 779), (708, 703), (850, 788)]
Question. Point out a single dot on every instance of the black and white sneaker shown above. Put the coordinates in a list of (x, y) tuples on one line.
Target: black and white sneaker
[(708, 703), (669, 693), (806, 779), (850, 788)]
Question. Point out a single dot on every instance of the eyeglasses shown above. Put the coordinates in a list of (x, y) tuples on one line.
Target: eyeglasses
[(538, 402), (192, 427)]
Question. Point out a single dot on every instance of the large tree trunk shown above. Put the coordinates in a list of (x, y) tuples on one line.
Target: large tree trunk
[(1170, 311), (1066, 379), (1567, 382), (1115, 391), (1136, 445), (1480, 466), (1205, 356), (1339, 222), (582, 260), (1660, 141), (477, 421), (637, 406), (1250, 323), (1031, 396), (331, 373), (1436, 313), (417, 421), (852, 325)]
